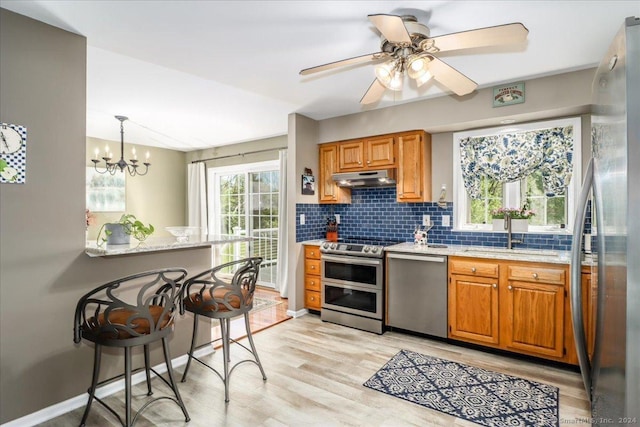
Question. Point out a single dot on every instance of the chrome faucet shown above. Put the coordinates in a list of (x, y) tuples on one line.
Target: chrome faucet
[(507, 226)]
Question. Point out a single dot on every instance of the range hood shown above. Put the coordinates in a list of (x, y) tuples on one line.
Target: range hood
[(377, 178)]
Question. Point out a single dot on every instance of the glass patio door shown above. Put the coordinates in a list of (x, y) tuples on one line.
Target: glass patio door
[(245, 202)]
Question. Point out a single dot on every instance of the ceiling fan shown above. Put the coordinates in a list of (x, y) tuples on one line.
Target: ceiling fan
[(406, 47)]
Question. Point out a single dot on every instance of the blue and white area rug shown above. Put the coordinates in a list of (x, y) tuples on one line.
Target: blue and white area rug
[(484, 397)]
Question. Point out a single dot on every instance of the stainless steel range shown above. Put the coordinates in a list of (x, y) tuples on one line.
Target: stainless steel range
[(353, 283)]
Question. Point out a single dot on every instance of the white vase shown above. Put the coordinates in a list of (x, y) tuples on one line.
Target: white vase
[(517, 225)]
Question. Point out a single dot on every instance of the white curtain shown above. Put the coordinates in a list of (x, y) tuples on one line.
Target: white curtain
[(281, 271), (197, 196)]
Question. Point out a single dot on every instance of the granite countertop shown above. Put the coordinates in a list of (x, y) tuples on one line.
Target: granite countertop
[(154, 244), (534, 255)]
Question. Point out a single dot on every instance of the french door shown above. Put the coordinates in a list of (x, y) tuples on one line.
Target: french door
[(244, 201)]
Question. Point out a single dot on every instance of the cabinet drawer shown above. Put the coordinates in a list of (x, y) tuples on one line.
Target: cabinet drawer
[(543, 274), (312, 252), (312, 283), (312, 266), (312, 300), (472, 267)]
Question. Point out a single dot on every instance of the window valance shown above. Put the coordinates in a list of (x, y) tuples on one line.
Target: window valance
[(511, 157)]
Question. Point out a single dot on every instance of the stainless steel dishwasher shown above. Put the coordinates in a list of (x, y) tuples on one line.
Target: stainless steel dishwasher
[(417, 293)]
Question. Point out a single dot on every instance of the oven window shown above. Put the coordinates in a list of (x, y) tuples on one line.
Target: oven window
[(350, 272), (350, 298)]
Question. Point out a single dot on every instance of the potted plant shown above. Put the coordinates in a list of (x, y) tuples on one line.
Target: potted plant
[(519, 218), (119, 233)]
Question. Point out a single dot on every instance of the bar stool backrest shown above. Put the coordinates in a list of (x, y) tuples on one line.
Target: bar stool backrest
[(133, 310)]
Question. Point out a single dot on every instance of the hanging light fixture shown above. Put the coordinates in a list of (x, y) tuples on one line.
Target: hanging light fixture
[(418, 68), (391, 74), (121, 165)]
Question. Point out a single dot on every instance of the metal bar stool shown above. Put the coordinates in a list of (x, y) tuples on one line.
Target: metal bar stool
[(131, 311), (223, 292)]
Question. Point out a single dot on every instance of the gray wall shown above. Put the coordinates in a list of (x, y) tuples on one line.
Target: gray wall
[(561, 95), (43, 267)]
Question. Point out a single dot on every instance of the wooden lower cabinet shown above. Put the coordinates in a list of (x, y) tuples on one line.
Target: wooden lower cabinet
[(515, 306), (312, 289), (473, 308)]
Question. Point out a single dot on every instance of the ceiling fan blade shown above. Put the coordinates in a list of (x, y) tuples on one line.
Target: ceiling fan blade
[(451, 78), (350, 61), (391, 27), (374, 93), (481, 37)]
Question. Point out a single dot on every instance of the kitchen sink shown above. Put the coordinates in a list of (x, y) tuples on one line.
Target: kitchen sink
[(502, 251)]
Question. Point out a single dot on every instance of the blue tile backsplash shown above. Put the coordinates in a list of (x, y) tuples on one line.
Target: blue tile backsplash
[(374, 213)]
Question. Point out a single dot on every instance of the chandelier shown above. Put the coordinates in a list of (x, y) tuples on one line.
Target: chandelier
[(121, 165)]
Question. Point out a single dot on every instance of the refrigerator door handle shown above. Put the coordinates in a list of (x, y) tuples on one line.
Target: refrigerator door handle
[(576, 282)]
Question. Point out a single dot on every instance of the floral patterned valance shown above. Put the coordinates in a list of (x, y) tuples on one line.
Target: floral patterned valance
[(510, 157)]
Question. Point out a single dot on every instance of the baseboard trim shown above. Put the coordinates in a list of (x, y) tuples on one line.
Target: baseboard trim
[(298, 313), (76, 402)]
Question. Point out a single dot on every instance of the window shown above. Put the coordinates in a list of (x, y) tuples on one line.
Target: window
[(552, 211), (245, 202)]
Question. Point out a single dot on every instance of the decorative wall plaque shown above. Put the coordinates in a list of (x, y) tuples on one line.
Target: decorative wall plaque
[(13, 153), (508, 94)]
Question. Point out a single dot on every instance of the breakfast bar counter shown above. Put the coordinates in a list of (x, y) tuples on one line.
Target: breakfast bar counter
[(156, 244)]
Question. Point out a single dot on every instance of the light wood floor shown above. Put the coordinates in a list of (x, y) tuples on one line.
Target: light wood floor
[(315, 374)]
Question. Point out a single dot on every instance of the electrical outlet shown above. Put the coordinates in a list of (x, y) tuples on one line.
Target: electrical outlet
[(302, 219), (337, 216), (446, 221), (426, 219)]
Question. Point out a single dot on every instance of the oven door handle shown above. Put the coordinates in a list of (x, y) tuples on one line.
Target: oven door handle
[(351, 260)]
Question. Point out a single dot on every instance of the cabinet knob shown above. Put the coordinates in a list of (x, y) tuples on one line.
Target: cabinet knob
[(510, 287), (494, 286), (359, 163), (313, 282), (535, 275), (473, 269), (312, 253), (312, 298), (368, 162), (313, 267)]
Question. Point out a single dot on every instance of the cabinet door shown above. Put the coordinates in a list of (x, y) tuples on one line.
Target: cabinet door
[(379, 153), (414, 168), (350, 156), (329, 191), (473, 309), (533, 318)]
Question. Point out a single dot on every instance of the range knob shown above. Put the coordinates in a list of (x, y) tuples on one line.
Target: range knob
[(366, 249), (325, 245), (375, 249), (334, 246)]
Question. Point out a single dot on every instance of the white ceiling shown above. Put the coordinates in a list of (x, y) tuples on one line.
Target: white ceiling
[(197, 74)]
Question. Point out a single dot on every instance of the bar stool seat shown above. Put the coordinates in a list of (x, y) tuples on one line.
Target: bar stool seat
[(136, 310), (223, 292)]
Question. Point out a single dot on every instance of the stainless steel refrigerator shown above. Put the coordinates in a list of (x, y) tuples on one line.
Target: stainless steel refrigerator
[(612, 374)]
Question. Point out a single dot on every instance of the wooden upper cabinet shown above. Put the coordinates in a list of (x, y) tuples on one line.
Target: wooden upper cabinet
[(366, 154), (329, 192), (351, 156), (379, 153), (414, 167)]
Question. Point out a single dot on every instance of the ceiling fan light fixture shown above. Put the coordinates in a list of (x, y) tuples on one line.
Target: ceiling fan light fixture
[(418, 66), (396, 80), (384, 73), (424, 78)]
